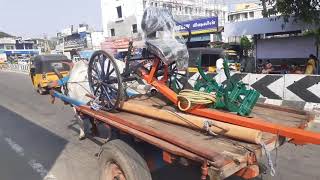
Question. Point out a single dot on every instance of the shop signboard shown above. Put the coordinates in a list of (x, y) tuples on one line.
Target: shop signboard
[(76, 41), (199, 26), (22, 52), (67, 31), (7, 40), (82, 29)]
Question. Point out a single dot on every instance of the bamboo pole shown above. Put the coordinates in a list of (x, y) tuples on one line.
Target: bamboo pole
[(194, 122)]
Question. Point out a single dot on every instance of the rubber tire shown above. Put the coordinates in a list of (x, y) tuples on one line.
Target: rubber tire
[(131, 163)]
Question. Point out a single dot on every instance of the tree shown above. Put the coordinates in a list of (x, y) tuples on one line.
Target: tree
[(307, 11), (245, 44), (3, 34)]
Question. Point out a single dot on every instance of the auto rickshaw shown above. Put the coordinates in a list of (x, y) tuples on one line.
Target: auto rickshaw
[(209, 56), (42, 70), (233, 59)]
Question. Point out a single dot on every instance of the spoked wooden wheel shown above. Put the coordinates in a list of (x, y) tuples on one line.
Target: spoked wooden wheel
[(177, 79), (105, 80)]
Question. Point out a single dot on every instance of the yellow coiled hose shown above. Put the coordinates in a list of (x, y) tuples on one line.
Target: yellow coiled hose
[(188, 98)]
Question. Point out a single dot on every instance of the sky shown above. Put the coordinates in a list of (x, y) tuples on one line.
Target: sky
[(36, 18)]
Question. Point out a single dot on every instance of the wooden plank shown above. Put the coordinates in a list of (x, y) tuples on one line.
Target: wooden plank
[(271, 113), (224, 152), (281, 115), (216, 149)]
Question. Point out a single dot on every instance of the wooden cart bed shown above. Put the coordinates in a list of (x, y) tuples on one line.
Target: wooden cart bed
[(225, 154)]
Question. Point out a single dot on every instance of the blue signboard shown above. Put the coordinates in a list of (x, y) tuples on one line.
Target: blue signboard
[(198, 26), (86, 54), (22, 52)]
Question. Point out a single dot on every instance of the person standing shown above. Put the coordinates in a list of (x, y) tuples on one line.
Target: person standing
[(219, 65), (219, 70), (260, 66), (311, 65), (267, 68)]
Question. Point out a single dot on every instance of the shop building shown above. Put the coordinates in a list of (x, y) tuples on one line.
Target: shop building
[(122, 18), (282, 45), (246, 11), (72, 40)]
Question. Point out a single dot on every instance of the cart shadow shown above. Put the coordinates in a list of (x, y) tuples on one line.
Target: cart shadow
[(99, 140), (23, 142), (176, 172), (185, 173)]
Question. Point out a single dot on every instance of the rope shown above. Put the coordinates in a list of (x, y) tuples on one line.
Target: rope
[(206, 127), (187, 98), (206, 124), (95, 104), (268, 155)]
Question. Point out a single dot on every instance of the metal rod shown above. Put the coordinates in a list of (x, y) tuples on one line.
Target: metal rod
[(66, 98)]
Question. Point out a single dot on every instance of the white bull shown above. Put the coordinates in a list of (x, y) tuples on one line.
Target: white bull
[(78, 87)]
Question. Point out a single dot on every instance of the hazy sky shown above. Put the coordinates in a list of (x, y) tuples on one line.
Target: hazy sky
[(29, 18), (34, 18)]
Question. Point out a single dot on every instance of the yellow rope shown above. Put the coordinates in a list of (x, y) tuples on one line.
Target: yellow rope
[(187, 98)]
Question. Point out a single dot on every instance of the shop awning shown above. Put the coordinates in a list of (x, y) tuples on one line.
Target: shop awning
[(264, 26)]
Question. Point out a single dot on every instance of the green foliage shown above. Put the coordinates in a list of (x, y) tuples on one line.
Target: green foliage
[(3, 34), (219, 45), (245, 43), (303, 10), (315, 33)]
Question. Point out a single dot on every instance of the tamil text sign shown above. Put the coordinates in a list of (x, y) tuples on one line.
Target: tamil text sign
[(198, 26)]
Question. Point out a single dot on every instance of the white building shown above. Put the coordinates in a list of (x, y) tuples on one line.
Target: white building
[(97, 38), (242, 12), (246, 11), (74, 39), (82, 37), (122, 18), (7, 43)]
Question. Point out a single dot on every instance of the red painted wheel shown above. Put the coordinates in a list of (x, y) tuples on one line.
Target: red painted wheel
[(119, 161)]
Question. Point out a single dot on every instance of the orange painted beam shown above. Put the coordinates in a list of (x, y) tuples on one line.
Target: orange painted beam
[(297, 134), (249, 172), (158, 84)]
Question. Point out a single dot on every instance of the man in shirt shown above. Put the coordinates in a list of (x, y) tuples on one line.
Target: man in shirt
[(311, 65), (219, 65)]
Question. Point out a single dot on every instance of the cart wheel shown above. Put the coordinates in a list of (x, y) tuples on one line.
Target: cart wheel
[(105, 80), (119, 161), (177, 79)]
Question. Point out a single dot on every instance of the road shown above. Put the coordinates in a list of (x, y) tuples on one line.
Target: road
[(39, 141)]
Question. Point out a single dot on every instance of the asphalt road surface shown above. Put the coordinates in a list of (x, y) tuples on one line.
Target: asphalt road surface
[(40, 141)]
